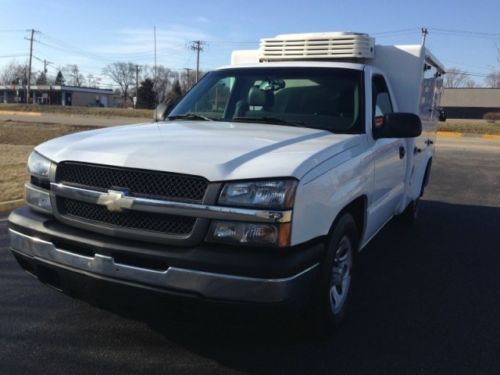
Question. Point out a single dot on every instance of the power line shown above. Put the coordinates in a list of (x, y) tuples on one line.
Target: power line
[(13, 56), (12, 31), (469, 33), (413, 29)]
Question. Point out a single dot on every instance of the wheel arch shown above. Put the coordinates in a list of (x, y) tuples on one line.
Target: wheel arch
[(358, 209)]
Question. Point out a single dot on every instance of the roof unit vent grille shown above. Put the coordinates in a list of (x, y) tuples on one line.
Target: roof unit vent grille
[(313, 46)]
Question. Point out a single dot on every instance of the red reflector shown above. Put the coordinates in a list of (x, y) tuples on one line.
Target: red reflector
[(379, 121)]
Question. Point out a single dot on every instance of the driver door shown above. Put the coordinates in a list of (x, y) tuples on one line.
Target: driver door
[(389, 159)]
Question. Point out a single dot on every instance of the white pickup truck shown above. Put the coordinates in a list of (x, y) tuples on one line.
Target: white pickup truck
[(259, 186)]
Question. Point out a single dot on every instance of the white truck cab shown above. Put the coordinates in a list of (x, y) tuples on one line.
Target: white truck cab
[(259, 186)]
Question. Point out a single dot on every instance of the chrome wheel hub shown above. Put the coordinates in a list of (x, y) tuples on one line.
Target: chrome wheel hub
[(341, 275)]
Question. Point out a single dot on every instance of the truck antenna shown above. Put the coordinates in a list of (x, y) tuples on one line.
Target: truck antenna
[(424, 35), (155, 83)]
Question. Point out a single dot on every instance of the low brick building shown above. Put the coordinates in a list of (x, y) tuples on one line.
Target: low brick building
[(57, 95)]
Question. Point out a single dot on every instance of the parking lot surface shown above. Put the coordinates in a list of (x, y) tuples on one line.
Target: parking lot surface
[(427, 300)]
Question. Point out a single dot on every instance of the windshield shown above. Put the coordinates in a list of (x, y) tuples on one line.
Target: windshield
[(322, 98)]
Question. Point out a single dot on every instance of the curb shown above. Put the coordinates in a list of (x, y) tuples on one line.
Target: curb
[(20, 113), (6, 207), (446, 134), (449, 134)]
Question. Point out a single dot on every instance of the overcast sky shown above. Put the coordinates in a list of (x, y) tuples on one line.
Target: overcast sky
[(92, 33)]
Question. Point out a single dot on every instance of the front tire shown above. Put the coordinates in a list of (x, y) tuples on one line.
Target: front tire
[(333, 291)]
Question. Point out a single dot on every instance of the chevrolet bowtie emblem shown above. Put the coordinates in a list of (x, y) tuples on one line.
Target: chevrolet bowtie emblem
[(115, 201)]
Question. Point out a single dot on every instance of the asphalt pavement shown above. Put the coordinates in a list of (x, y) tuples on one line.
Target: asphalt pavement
[(427, 300)]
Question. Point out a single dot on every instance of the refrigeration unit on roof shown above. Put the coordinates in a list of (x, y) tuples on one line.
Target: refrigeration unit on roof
[(317, 46)]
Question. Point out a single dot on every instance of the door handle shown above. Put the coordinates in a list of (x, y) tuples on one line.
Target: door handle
[(402, 152), (429, 142), (416, 150)]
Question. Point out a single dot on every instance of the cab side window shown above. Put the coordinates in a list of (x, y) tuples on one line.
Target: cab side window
[(381, 98)]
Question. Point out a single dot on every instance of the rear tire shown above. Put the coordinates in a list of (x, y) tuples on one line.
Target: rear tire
[(333, 289)]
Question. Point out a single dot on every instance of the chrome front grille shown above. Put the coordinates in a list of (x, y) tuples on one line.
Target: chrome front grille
[(143, 221), (141, 183), (134, 183)]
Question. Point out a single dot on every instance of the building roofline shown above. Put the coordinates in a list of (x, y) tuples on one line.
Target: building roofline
[(58, 88), (472, 88)]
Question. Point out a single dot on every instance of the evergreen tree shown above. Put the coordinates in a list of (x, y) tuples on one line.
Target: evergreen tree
[(175, 93), (146, 95), (59, 79), (41, 79)]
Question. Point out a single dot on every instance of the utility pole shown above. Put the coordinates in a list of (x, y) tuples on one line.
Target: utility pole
[(29, 66), (136, 85), (424, 35), (45, 65), (197, 46)]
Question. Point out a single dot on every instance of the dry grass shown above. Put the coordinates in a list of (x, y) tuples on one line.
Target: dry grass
[(17, 140), (85, 111), (469, 126), (13, 165)]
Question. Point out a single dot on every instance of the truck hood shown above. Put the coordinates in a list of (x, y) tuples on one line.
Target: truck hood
[(215, 150)]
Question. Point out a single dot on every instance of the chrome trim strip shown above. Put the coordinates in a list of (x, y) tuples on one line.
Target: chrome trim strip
[(118, 202), (207, 284)]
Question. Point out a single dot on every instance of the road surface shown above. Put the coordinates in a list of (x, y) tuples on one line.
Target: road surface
[(427, 301)]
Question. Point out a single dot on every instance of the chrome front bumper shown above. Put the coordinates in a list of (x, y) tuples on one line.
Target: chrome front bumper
[(210, 285)]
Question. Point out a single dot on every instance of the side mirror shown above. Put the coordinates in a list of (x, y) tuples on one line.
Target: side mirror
[(442, 115), (397, 125), (163, 109)]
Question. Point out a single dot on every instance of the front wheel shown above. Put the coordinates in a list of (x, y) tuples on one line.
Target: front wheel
[(332, 294)]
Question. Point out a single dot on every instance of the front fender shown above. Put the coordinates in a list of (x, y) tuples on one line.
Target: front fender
[(326, 190)]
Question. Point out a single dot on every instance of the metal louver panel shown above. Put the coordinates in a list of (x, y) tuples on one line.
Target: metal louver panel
[(317, 46)]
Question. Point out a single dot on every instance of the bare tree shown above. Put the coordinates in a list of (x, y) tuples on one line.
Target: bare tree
[(188, 79), (162, 83), (75, 77), (470, 83), (14, 73), (93, 81), (163, 80), (455, 78), (123, 74), (493, 79)]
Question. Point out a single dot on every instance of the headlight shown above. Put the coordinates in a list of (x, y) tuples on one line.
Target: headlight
[(270, 194), (38, 165), (38, 188)]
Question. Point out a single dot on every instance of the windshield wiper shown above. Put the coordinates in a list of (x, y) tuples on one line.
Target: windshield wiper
[(189, 116), (269, 120)]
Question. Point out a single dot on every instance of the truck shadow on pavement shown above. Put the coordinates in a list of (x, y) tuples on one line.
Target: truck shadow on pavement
[(427, 298)]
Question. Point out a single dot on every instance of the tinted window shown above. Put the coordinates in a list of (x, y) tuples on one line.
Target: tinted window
[(381, 98), (324, 98)]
